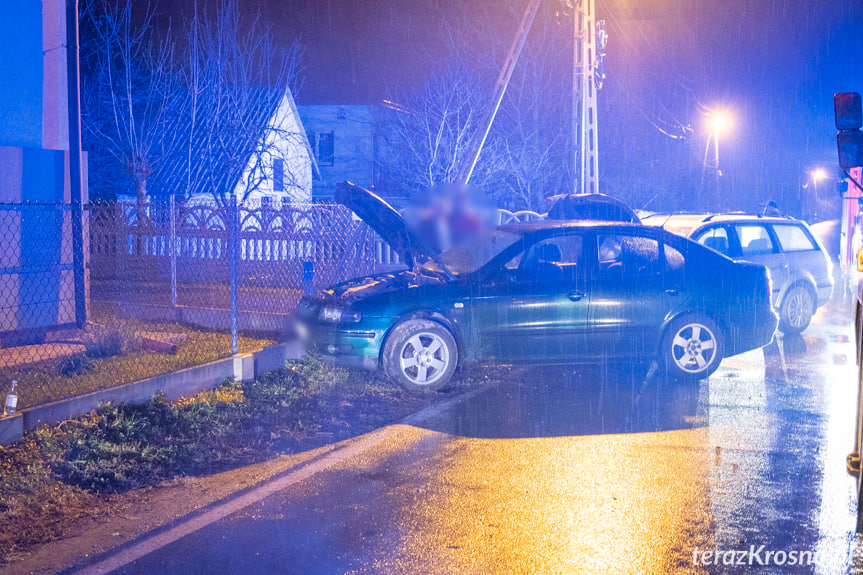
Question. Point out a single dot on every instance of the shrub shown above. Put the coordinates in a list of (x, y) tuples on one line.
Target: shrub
[(75, 365), (123, 447), (128, 446), (100, 342)]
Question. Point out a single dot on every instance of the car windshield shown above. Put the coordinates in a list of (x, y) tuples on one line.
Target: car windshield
[(469, 257)]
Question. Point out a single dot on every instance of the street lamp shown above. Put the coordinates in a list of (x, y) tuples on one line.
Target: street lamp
[(816, 174), (718, 121)]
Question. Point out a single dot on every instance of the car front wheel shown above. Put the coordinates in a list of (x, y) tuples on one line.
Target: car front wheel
[(420, 355), (692, 348), (796, 311)]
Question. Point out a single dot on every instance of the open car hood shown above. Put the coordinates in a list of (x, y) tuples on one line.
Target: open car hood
[(386, 222)]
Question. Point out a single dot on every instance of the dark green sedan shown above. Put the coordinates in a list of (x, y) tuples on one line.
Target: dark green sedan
[(541, 292)]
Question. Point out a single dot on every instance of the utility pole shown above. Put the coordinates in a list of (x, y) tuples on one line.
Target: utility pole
[(76, 187), (478, 141), (587, 77)]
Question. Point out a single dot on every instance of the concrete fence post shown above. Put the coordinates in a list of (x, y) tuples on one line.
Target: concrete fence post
[(172, 208), (233, 249)]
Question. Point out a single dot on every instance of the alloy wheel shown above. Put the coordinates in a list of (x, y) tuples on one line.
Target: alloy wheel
[(424, 358), (693, 348), (798, 308)]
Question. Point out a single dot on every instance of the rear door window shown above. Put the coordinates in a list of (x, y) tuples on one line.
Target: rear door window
[(793, 238), (627, 256), (674, 260), (754, 239), (552, 260), (715, 239)]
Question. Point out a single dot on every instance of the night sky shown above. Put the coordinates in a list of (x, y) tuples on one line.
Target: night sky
[(773, 65)]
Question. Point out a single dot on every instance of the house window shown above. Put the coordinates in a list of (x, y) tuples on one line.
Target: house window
[(326, 149), (323, 147), (278, 175)]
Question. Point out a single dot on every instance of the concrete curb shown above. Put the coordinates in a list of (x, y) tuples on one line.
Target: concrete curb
[(11, 429), (241, 367)]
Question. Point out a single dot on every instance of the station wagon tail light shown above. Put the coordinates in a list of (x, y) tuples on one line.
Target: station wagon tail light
[(860, 260)]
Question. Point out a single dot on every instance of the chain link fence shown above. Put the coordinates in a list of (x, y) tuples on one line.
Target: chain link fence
[(166, 286)]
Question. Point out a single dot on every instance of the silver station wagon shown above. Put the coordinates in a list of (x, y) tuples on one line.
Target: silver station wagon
[(800, 269)]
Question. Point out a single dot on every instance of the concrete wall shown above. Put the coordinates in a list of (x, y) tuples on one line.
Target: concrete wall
[(36, 277), (36, 271), (33, 104)]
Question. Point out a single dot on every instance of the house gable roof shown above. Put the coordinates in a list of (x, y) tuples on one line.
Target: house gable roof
[(210, 158)]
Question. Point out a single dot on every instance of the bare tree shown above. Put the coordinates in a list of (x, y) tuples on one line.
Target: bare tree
[(532, 135), (527, 155), (433, 127), (131, 95), (236, 79)]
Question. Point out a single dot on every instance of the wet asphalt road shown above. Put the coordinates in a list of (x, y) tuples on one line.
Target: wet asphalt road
[(577, 470)]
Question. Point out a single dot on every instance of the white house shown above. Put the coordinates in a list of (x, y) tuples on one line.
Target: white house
[(279, 169), (285, 167)]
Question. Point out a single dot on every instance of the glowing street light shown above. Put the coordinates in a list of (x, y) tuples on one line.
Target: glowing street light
[(817, 175), (718, 121)]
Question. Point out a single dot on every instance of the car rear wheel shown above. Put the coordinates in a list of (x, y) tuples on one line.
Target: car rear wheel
[(420, 355), (796, 310), (692, 348)]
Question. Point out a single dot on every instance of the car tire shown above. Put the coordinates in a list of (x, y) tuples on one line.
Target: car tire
[(420, 355), (796, 310), (692, 348)]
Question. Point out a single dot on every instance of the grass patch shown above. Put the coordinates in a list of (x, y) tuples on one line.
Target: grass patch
[(84, 465), (112, 356)]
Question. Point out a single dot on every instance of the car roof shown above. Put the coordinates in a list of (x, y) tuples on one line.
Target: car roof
[(542, 225), (689, 222), (706, 217)]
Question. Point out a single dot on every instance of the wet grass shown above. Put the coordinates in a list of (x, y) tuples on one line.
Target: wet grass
[(114, 357), (83, 466)]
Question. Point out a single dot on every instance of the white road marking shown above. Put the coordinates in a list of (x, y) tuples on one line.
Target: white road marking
[(257, 494)]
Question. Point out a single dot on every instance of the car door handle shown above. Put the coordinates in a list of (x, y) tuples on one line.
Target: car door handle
[(575, 295), (672, 291)]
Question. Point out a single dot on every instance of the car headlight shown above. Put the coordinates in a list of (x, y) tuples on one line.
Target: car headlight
[(335, 315)]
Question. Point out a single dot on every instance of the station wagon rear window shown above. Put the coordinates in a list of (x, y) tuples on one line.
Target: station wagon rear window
[(754, 239), (793, 238)]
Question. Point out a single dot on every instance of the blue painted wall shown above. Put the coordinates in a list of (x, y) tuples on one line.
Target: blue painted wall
[(36, 276), (21, 73)]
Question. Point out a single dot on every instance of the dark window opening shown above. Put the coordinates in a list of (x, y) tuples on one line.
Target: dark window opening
[(278, 175), (326, 149)]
